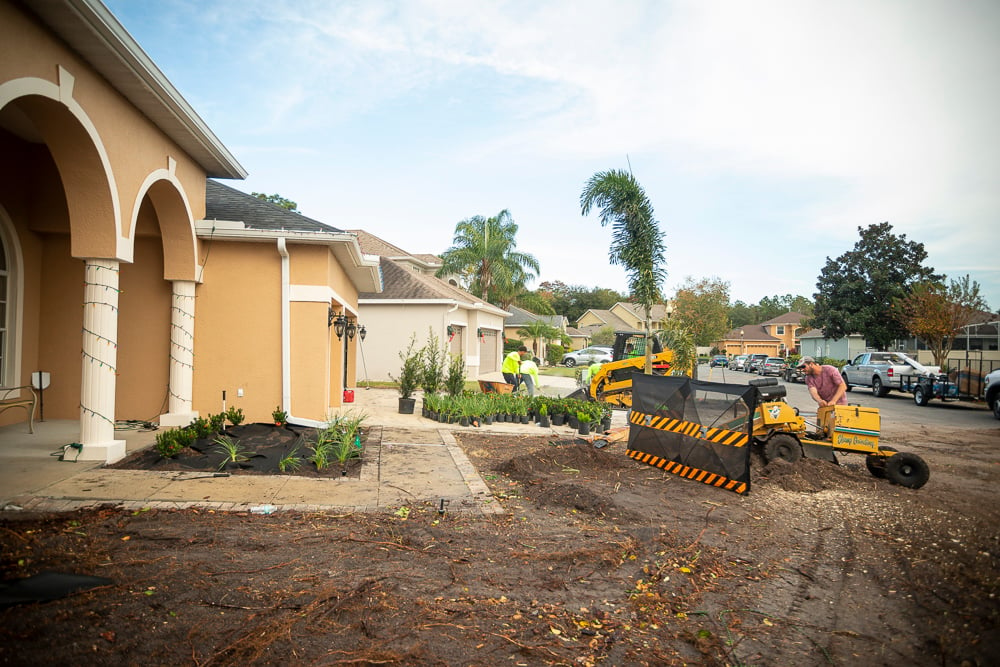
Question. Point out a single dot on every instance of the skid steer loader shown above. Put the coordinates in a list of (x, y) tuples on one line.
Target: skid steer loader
[(612, 384), (782, 433)]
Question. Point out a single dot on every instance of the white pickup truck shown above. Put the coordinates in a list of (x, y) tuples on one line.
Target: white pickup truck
[(881, 371)]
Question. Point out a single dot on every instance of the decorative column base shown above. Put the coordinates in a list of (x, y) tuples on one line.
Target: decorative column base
[(109, 452), (178, 418)]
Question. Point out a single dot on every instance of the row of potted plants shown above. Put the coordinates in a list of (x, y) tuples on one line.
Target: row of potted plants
[(471, 408)]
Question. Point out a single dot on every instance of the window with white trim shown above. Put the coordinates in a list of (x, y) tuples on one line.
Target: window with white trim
[(779, 330)]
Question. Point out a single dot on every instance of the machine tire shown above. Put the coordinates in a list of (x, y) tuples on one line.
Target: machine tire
[(920, 396), (847, 385), (907, 469), (876, 464), (878, 389), (569, 363), (996, 407), (782, 446)]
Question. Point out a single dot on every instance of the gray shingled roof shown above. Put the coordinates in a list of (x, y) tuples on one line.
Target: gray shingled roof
[(750, 332), (520, 316), (225, 203), (400, 282)]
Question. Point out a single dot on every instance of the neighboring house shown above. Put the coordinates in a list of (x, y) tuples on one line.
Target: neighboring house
[(815, 343), (594, 320), (414, 303), (635, 315), (577, 339), (787, 329), (519, 317), (749, 339), (115, 282)]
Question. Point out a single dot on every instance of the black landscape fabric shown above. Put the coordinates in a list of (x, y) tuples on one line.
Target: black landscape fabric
[(698, 430)]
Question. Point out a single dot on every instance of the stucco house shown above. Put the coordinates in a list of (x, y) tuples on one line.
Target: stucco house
[(140, 299), (815, 343), (623, 316), (414, 303), (749, 339), (778, 337)]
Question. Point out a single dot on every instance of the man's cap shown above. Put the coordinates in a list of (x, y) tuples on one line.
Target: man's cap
[(805, 360)]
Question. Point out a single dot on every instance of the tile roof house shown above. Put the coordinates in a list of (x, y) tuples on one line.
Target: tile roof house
[(135, 281), (778, 337), (414, 303)]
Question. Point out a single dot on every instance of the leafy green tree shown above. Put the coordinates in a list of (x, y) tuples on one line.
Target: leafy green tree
[(678, 339), (278, 200), (483, 252), (604, 336), (535, 302), (574, 300), (741, 314), (936, 313), (702, 308), (856, 291), (636, 239)]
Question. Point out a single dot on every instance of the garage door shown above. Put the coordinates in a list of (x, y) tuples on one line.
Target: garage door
[(489, 352)]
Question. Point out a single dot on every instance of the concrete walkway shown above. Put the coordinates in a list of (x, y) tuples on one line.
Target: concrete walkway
[(408, 461)]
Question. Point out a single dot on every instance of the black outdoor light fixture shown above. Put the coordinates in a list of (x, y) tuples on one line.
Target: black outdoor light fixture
[(362, 332), (339, 324), (352, 329)]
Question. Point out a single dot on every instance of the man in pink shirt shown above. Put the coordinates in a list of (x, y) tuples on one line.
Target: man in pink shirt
[(824, 382)]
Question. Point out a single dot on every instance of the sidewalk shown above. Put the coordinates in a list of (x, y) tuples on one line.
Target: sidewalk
[(408, 460)]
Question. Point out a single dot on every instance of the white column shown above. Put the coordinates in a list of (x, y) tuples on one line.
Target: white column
[(100, 359), (181, 355)]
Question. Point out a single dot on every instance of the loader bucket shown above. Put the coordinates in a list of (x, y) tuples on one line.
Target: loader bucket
[(698, 430)]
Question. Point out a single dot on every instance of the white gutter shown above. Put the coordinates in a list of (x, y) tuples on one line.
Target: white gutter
[(286, 340)]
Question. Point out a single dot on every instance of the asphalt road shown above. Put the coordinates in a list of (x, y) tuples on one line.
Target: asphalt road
[(896, 408)]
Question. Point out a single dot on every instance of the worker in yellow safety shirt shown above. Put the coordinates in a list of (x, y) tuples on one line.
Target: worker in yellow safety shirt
[(511, 367), (529, 375), (591, 372)]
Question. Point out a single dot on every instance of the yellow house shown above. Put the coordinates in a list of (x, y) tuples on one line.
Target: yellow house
[(115, 280), (778, 337)]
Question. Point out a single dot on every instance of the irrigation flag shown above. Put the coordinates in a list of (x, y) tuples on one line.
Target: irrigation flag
[(698, 430)]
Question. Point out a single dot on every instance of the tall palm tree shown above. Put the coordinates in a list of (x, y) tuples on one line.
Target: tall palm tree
[(636, 240), (483, 253)]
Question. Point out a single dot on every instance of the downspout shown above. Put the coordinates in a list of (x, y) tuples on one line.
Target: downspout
[(286, 329), (286, 339)]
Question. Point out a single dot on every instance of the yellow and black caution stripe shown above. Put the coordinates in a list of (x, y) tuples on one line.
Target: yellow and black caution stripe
[(729, 451)]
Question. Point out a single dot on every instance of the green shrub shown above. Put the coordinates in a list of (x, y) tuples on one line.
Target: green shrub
[(167, 445), (202, 427), (234, 415)]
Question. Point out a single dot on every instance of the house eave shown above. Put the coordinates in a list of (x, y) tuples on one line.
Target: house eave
[(363, 270), (91, 30)]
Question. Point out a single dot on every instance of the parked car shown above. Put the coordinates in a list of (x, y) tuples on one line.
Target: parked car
[(587, 356), (772, 366), (992, 392), (719, 360), (739, 362), (753, 361), (794, 374)]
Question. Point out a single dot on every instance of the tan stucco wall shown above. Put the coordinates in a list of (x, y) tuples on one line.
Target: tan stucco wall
[(60, 322), (238, 330), (144, 308)]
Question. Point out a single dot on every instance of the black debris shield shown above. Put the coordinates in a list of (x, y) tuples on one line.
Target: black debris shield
[(698, 430)]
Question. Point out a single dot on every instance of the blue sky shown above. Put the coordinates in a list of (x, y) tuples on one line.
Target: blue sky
[(764, 133)]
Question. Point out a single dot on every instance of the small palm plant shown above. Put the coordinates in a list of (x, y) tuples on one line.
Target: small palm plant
[(290, 462), (231, 451)]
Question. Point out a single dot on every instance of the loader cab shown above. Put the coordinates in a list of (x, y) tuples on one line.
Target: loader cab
[(631, 344)]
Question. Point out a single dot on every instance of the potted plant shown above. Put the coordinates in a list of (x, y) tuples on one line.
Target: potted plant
[(543, 415), (409, 376), (583, 417)]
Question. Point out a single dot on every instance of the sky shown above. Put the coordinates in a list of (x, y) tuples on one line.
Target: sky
[(764, 133)]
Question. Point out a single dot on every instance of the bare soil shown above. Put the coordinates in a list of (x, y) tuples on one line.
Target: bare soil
[(597, 560)]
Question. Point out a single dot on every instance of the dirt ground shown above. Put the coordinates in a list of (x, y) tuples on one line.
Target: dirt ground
[(597, 560)]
